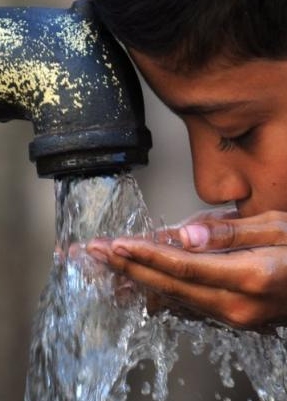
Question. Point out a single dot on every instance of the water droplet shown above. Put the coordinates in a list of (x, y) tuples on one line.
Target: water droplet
[(141, 366), (146, 388), (181, 381)]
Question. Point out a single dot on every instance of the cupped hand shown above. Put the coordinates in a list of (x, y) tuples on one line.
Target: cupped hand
[(233, 270)]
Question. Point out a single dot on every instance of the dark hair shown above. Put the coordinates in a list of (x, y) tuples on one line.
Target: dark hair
[(193, 32)]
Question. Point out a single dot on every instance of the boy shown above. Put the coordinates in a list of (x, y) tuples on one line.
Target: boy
[(222, 67)]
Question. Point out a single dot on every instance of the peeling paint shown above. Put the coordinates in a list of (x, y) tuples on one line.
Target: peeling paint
[(41, 77), (34, 84), (11, 35), (77, 36)]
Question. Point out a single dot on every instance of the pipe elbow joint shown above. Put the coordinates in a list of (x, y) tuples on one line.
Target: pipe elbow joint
[(62, 70)]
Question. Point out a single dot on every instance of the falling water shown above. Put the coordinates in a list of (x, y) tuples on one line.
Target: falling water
[(93, 327)]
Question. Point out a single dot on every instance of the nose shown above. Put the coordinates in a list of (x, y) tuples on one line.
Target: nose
[(219, 178)]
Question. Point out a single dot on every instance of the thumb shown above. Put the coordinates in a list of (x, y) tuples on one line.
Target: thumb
[(212, 236), (262, 230)]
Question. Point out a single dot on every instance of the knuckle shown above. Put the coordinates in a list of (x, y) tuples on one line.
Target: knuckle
[(261, 283), (226, 233), (275, 226), (245, 315), (184, 271), (231, 234), (278, 229), (274, 215)]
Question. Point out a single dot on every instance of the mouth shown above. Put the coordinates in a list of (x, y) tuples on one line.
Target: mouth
[(244, 210)]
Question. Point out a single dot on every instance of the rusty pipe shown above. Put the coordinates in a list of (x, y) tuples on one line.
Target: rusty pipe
[(62, 70)]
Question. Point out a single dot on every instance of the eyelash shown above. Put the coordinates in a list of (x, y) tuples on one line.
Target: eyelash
[(228, 144)]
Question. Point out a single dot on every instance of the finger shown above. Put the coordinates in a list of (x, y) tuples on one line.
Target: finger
[(236, 309), (171, 234), (99, 249), (245, 308), (242, 271), (158, 281), (269, 228)]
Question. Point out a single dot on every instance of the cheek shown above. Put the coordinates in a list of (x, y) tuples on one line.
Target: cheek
[(267, 168), (270, 188), (278, 191)]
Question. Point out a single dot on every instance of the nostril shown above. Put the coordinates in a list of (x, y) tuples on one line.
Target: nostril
[(230, 189)]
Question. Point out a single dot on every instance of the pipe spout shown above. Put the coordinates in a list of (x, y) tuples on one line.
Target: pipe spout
[(62, 70)]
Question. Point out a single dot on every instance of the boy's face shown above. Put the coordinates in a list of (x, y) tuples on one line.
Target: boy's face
[(236, 118)]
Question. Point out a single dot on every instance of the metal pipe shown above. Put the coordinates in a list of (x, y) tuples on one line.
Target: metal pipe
[(62, 70)]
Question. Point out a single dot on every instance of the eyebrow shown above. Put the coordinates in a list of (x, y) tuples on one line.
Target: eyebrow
[(207, 108)]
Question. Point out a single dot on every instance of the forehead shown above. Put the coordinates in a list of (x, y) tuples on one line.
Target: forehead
[(253, 80)]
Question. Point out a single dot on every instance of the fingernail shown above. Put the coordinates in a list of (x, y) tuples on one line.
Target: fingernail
[(122, 252), (100, 256), (195, 235), (97, 245)]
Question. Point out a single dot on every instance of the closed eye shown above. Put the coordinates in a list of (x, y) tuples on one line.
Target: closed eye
[(229, 143)]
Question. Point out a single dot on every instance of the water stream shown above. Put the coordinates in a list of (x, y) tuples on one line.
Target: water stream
[(92, 326)]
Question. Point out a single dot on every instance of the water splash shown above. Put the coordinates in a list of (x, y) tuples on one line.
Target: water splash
[(92, 326)]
